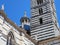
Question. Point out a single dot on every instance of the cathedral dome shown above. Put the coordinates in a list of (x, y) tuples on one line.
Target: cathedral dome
[(24, 18), (25, 21)]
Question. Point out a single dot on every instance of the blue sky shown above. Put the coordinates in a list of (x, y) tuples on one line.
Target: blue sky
[(15, 9)]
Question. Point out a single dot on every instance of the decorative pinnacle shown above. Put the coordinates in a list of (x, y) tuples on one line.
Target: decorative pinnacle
[(2, 7), (25, 14)]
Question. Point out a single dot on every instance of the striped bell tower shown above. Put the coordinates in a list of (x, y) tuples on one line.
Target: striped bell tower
[(44, 24)]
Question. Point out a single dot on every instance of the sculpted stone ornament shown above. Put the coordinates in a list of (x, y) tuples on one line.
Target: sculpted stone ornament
[(2, 7)]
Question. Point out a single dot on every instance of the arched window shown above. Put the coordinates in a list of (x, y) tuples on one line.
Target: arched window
[(10, 39), (40, 11), (39, 2), (41, 20)]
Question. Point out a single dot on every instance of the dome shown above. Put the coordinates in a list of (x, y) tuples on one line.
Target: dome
[(24, 18)]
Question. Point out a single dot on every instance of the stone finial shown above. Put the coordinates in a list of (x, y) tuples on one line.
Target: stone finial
[(2, 7), (25, 14)]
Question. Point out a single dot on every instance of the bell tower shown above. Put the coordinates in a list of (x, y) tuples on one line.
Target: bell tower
[(44, 24)]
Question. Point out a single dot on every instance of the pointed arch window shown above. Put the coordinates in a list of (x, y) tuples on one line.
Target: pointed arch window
[(40, 11), (39, 2), (10, 39)]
